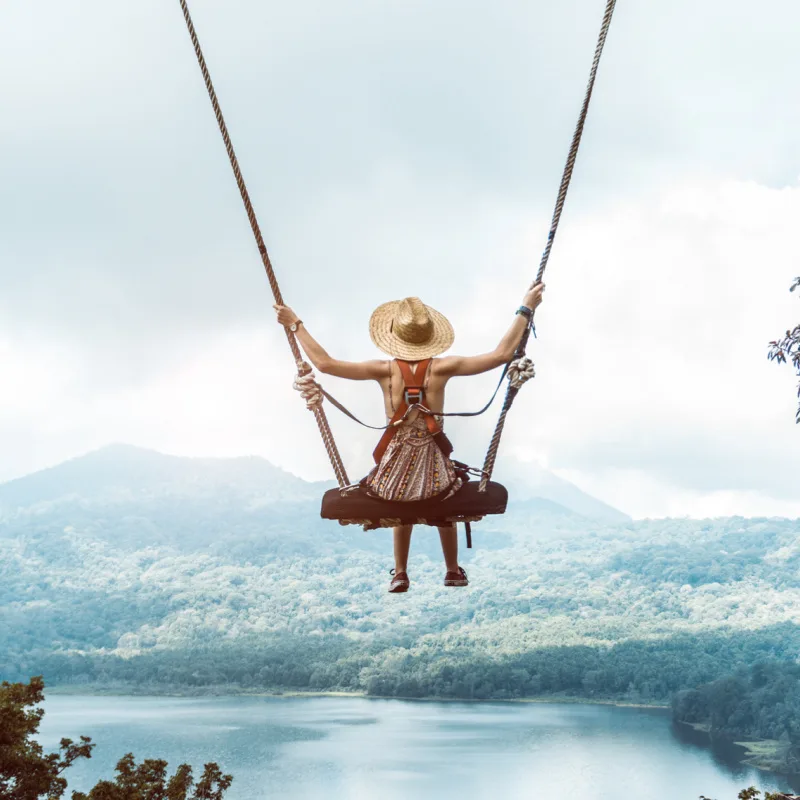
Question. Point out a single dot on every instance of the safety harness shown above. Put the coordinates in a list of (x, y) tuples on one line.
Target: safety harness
[(413, 399)]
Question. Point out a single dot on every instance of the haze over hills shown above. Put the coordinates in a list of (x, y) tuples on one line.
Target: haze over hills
[(529, 483), (138, 571), (123, 473), (127, 474)]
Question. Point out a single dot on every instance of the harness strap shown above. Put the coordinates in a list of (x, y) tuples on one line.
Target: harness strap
[(413, 390), (388, 434), (414, 382), (334, 402)]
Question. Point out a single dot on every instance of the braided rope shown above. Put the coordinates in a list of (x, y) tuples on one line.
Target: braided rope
[(330, 446), (494, 444), (566, 178), (520, 371), (319, 413), (306, 383)]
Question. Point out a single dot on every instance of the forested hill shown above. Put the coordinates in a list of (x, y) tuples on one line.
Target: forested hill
[(122, 473), (137, 570), (760, 702)]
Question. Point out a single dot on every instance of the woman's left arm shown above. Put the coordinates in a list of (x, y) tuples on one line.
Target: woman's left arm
[(318, 356)]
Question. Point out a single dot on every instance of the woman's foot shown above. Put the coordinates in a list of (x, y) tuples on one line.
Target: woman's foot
[(456, 578), (400, 582)]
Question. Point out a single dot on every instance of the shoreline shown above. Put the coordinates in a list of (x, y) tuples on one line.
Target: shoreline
[(227, 691), (763, 755), (766, 755)]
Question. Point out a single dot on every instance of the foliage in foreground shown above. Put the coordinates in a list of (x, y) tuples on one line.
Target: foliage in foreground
[(161, 591), (788, 349), (27, 773), (752, 793)]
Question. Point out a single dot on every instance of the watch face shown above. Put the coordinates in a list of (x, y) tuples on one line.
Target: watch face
[(293, 327)]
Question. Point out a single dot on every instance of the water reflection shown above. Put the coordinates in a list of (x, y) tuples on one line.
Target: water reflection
[(727, 755), (350, 748)]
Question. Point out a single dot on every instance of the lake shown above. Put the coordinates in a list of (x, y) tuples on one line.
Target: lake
[(355, 748)]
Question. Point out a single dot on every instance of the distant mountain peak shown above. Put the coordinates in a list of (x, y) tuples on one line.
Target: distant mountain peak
[(527, 481), (123, 472)]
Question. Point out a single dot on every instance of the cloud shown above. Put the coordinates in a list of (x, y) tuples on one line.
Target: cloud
[(123, 222), (653, 388), (395, 149), (653, 351)]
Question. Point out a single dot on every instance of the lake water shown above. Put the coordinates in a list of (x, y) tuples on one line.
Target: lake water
[(343, 748)]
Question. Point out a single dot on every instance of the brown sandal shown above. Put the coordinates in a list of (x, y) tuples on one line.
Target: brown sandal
[(456, 578), (400, 582)]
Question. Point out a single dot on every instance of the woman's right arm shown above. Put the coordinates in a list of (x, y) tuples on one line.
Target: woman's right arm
[(452, 366), (318, 356)]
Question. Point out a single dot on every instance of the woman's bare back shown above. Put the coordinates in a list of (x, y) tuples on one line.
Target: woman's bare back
[(393, 387)]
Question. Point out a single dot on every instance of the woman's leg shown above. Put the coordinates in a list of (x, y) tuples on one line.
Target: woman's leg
[(402, 544), (449, 537)]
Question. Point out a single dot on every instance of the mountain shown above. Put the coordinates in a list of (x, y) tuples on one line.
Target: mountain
[(137, 571), (531, 483), (124, 474)]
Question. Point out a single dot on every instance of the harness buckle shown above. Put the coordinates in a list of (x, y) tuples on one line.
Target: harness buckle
[(413, 396)]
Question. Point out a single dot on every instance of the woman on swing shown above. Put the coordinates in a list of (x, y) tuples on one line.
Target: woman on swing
[(410, 464)]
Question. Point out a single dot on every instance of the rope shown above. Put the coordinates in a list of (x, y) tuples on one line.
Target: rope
[(520, 371), (494, 444), (339, 406), (306, 384), (566, 178), (319, 413)]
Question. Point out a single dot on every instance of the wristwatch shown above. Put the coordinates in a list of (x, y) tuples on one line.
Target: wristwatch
[(295, 325)]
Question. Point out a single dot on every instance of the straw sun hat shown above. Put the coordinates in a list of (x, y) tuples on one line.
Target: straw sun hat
[(410, 330)]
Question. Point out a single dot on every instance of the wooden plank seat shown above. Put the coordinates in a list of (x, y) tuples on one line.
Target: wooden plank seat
[(356, 507)]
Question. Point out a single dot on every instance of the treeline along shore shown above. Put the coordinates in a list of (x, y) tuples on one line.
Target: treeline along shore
[(127, 572)]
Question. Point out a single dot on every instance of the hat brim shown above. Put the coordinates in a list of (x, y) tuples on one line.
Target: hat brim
[(380, 331)]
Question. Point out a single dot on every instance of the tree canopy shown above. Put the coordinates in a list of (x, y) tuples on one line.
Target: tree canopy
[(787, 349), (28, 773)]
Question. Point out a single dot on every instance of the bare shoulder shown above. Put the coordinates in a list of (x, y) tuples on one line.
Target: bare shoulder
[(381, 368), (446, 367), (452, 366), (377, 369)]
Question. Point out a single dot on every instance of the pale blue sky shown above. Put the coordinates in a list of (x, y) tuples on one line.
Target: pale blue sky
[(406, 148)]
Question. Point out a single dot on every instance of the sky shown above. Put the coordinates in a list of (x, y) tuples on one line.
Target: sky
[(407, 149)]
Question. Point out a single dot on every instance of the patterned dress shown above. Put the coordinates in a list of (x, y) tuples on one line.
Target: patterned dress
[(413, 466)]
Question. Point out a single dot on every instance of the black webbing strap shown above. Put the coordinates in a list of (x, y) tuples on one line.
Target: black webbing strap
[(336, 404)]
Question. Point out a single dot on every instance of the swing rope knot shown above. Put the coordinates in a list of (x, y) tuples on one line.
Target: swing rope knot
[(306, 383), (520, 372)]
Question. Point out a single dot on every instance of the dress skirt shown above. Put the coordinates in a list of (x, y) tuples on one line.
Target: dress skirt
[(413, 467)]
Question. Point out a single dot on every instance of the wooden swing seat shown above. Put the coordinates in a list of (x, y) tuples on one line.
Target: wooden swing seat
[(355, 507)]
